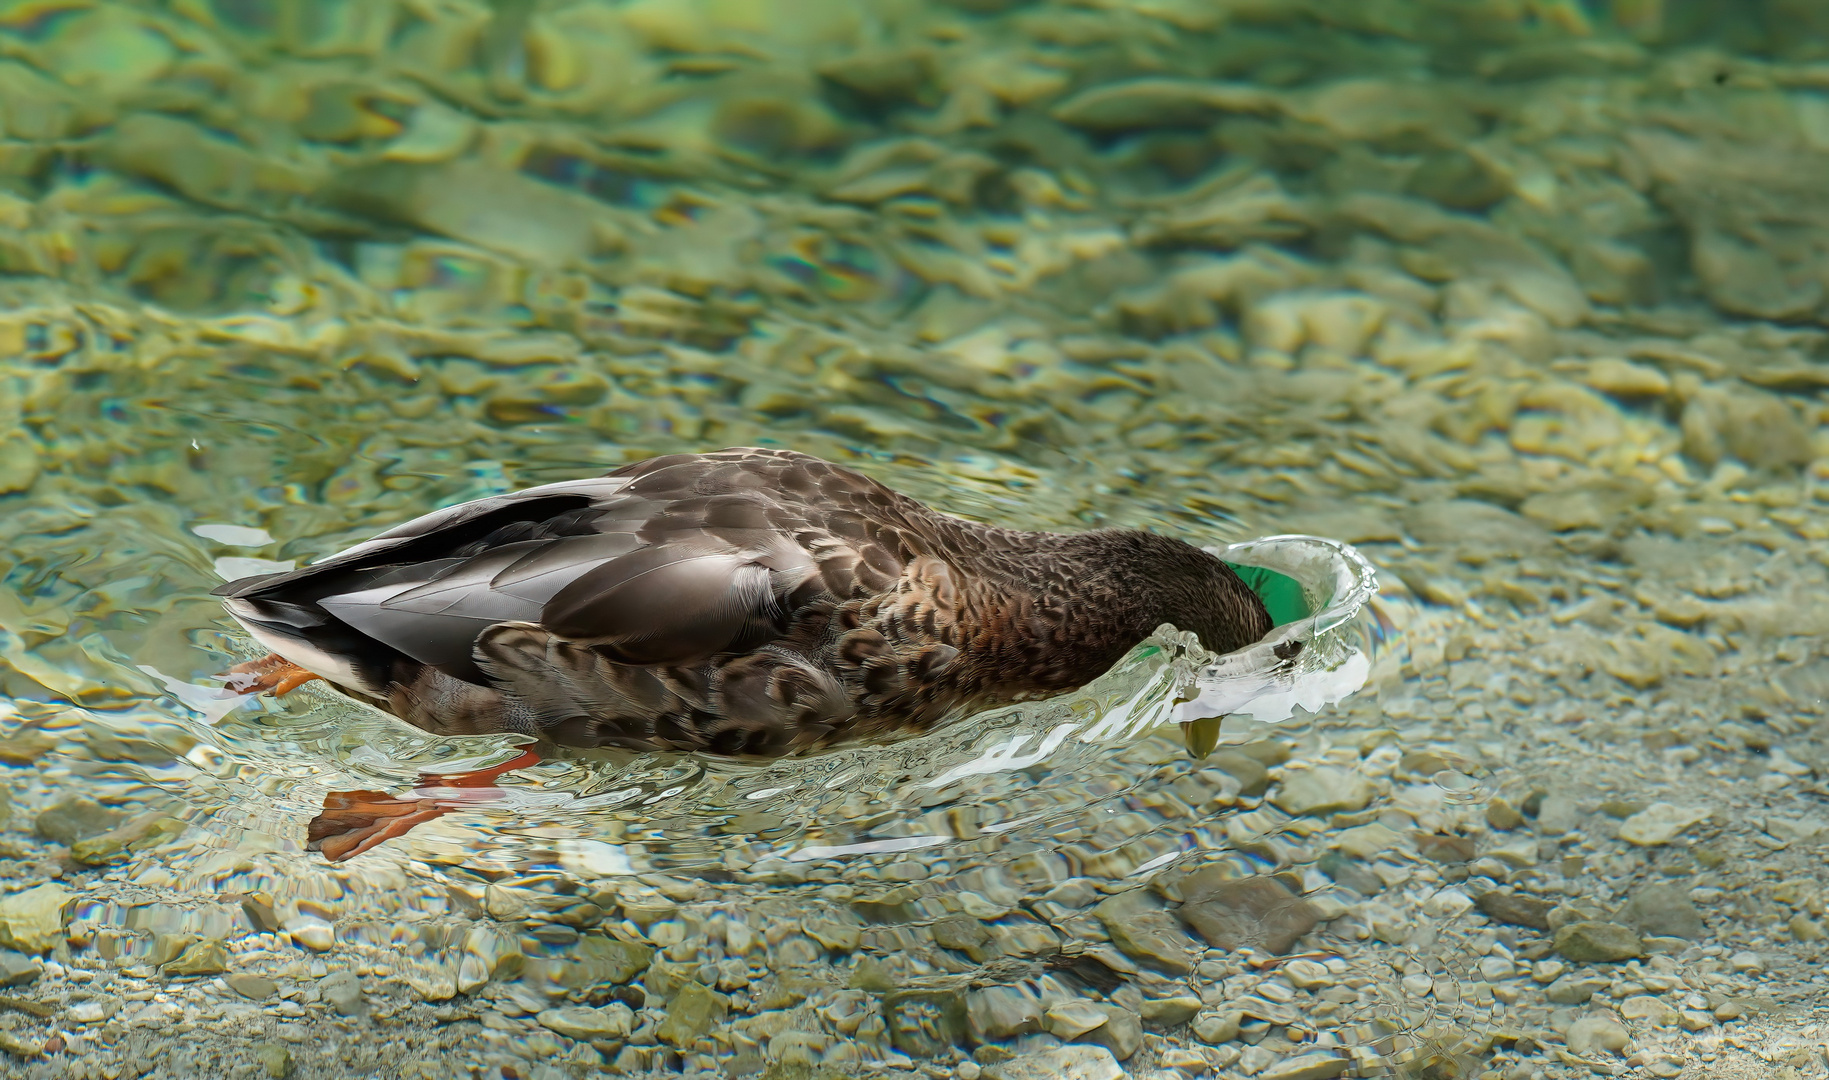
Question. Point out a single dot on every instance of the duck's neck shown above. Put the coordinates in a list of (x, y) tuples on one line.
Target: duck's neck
[(1134, 581)]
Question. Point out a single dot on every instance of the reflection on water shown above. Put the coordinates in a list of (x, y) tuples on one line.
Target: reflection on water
[(1525, 301)]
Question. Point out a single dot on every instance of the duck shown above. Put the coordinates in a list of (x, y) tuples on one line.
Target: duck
[(752, 602)]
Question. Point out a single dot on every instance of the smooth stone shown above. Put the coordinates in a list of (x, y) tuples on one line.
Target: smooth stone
[(1252, 776), (1746, 962), (1660, 823), (1170, 1011), (1322, 790), (1255, 1059), (1447, 850), (94, 1011), (994, 1013), (1649, 1009), (1214, 1028), (554, 934), (1350, 872), (343, 990), (1575, 989), (1592, 1033), (693, 1010), (613, 1021), (1664, 911), (1502, 815), (207, 957), (1077, 1062), (964, 933), (607, 959), (1322, 1066), (74, 818), (1308, 975), (252, 987), (1148, 935), (1071, 1019), (1230, 913), (1496, 968), (311, 932), (33, 921), (1514, 910), (1597, 942), (17, 969), (1122, 1032), (925, 1023), (275, 1059)]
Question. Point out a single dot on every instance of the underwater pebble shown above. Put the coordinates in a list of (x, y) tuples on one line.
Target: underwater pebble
[(1746, 961), (33, 921), (1664, 911), (578, 1022), (1660, 823), (275, 1060), (343, 990), (1066, 1063), (1591, 942), (311, 932), (1308, 1067), (1592, 1033), (253, 987), (1649, 1009), (1322, 790)]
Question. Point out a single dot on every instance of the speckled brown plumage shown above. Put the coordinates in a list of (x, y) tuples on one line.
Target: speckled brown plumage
[(751, 601)]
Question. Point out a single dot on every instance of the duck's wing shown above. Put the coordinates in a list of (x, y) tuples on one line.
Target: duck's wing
[(670, 561)]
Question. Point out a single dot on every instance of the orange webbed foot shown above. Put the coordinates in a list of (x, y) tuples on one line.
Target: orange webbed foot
[(271, 674), (353, 822)]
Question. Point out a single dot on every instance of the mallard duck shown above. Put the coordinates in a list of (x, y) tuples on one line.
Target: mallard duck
[(748, 602), (745, 602)]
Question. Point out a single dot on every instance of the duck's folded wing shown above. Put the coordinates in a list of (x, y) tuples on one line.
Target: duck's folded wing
[(672, 604)]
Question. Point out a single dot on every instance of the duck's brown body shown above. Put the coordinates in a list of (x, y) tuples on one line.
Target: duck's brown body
[(750, 601)]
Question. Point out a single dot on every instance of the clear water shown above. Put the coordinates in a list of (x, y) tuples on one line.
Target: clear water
[(1524, 300)]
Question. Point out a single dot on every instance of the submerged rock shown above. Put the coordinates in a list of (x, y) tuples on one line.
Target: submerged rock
[(1663, 911), (925, 1023), (1597, 942), (207, 957), (1514, 910), (1078, 1062), (1322, 790), (1146, 932), (691, 1012), (613, 1021), (33, 921), (1232, 913), (75, 818)]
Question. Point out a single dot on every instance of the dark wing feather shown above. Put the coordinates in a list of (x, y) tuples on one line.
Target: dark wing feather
[(668, 561), (669, 604)]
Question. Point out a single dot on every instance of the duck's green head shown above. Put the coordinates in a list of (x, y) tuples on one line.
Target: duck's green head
[(1281, 594)]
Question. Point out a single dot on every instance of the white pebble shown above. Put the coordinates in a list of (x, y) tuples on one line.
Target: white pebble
[(1494, 968), (1448, 904), (311, 932)]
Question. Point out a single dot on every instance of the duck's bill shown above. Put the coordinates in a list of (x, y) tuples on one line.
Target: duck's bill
[(1201, 735)]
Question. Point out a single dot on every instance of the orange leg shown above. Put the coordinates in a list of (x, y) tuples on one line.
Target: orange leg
[(272, 673), (353, 822)]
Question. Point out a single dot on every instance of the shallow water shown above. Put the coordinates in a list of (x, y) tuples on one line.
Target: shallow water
[(1523, 299)]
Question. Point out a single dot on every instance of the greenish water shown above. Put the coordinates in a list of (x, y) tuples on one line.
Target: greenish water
[(1524, 299)]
